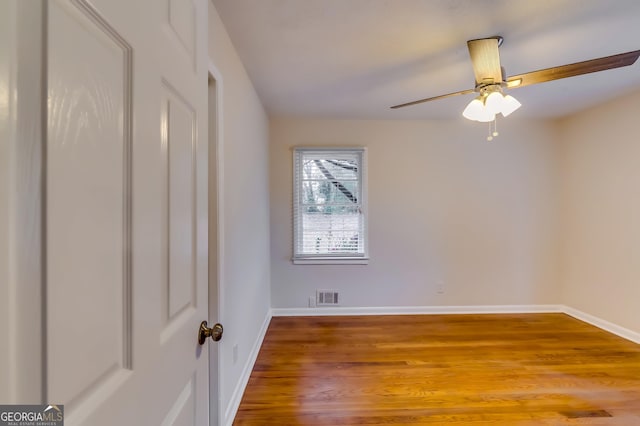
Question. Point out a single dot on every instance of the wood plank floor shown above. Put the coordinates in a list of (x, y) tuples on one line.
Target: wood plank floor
[(512, 369)]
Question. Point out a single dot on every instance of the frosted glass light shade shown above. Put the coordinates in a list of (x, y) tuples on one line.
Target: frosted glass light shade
[(494, 102), (473, 110), (486, 116), (485, 109), (477, 111), (509, 104)]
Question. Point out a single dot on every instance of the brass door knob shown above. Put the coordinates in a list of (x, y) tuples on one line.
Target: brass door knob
[(214, 332)]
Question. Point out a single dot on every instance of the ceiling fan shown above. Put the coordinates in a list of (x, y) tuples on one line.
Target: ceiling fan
[(491, 79)]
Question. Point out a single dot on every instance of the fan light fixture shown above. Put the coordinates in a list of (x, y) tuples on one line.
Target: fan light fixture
[(490, 103), (490, 79)]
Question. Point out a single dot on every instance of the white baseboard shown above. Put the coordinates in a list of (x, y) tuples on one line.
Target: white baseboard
[(416, 310), (236, 398), (603, 324)]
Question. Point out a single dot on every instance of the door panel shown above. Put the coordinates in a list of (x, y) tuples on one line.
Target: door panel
[(126, 212), (88, 210), (179, 138)]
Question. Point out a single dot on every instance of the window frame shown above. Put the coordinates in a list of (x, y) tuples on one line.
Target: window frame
[(328, 259)]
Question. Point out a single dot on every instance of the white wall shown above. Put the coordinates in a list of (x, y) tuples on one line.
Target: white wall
[(245, 295), (601, 211), (444, 204)]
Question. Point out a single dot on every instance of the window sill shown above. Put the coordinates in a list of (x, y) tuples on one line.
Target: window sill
[(331, 261)]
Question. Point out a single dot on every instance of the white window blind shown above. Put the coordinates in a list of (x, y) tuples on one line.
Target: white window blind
[(329, 204)]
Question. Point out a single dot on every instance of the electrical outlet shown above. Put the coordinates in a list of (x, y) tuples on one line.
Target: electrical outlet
[(235, 353), (440, 287), (312, 302)]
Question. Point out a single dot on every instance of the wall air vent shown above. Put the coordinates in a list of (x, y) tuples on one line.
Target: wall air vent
[(326, 298)]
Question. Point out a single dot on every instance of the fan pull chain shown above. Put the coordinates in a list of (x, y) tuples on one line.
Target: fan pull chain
[(493, 126)]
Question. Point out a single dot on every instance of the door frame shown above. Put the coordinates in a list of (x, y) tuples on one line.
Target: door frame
[(216, 248)]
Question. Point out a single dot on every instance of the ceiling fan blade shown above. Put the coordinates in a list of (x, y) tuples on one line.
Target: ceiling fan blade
[(572, 70), (485, 59), (463, 92)]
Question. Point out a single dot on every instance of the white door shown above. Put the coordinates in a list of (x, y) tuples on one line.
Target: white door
[(126, 211)]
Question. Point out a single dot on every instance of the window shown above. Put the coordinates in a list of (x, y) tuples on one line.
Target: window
[(329, 213)]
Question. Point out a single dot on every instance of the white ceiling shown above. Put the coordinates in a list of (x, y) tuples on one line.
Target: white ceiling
[(355, 58)]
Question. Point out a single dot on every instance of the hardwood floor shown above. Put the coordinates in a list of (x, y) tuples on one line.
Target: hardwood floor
[(512, 369)]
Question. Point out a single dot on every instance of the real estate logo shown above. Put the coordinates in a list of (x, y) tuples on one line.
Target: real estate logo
[(32, 415)]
